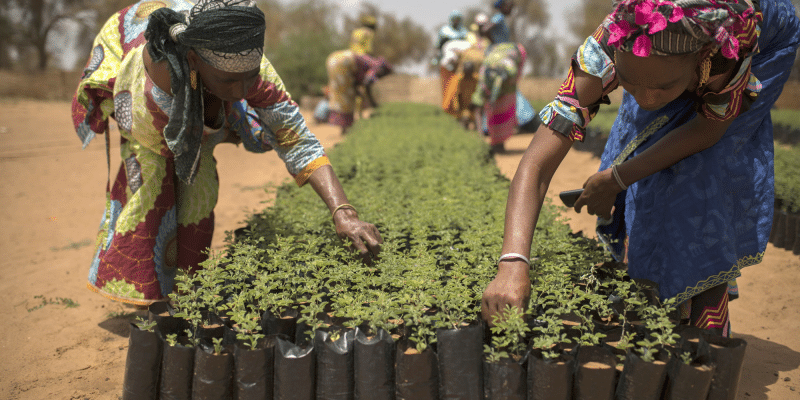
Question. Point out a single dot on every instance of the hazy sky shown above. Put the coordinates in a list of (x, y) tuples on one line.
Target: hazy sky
[(433, 13)]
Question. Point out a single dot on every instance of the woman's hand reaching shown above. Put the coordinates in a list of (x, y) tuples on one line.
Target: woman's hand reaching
[(599, 194), (363, 236), (511, 286)]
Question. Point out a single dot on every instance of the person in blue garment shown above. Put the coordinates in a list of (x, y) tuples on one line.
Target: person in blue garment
[(454, 30), (497, 29), (686, 183)]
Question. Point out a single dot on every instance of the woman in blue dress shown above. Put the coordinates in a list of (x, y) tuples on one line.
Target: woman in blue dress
[(686, 184), (497, 29)]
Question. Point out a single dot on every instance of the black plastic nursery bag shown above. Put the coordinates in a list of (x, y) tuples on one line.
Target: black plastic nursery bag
[(373, 365), (506, 379), (595, 373), (791, 231), (142, 365), (796, 248), (162, 313), (335, 372), (416, 374), (177, 368), (213, 374), (460, 353), (284, 323), (550, 379), (254, 371), (778, 233), (213, 327), (295, 371), (727, 354), (775, 217), (690, 381), (641, 380)]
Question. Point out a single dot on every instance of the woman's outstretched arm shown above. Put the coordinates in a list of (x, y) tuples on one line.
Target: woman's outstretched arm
[(545, 153), (512, 284)]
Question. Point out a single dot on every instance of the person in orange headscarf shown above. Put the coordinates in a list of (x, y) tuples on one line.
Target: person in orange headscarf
[(465, 60), (451, 39)]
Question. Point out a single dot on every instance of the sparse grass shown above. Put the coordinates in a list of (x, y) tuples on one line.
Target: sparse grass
[(68, 303), (74, 245)]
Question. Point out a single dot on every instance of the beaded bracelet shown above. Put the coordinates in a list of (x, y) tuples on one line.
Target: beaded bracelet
[(514, 256), (341, 206), (616, 176)]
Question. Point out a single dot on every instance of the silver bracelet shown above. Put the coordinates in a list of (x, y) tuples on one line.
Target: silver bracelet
[(514, 256), (616, 176)]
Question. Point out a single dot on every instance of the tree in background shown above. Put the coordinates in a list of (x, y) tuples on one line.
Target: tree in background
[(528, 18), (396, 40), (589, 15), (6, 46), (544, 58), (104, 9), (469, 17), (275, 23), (299, 38), (30, 24)]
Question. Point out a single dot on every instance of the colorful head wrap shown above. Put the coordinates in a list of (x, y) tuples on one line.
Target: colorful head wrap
[(226, 34), (661, 27)]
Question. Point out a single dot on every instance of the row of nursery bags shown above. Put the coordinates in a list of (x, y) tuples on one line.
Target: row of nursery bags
[(348, 364), (785, 232)]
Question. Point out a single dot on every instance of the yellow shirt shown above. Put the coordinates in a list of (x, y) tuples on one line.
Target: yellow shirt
[(361, 40)]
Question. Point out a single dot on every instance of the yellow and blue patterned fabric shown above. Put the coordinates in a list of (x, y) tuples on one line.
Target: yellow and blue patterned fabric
[(499, 72), (348, 70)]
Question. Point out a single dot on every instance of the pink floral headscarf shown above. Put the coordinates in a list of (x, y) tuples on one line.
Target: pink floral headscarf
[(662, 27)]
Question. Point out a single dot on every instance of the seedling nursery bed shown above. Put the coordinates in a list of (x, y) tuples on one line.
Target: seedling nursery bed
[(287, 311)]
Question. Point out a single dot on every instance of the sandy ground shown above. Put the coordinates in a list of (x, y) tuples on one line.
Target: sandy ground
[(51, 200)]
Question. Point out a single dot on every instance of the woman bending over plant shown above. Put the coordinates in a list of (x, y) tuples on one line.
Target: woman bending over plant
[(180, 78), (686, 184)]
